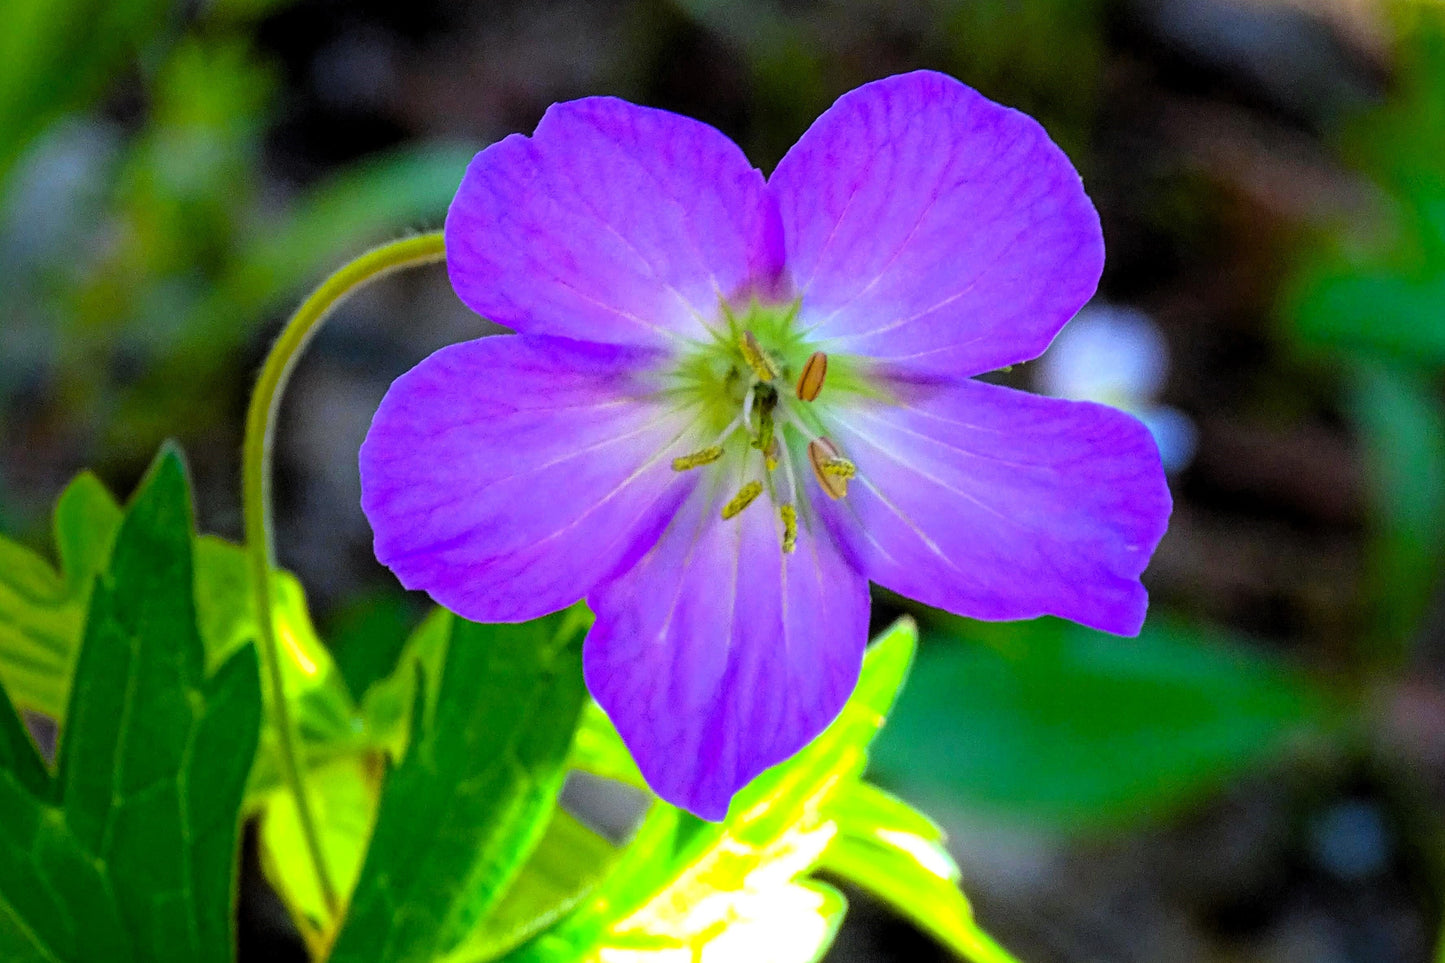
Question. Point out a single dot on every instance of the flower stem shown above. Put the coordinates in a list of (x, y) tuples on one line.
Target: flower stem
[(256, 461)]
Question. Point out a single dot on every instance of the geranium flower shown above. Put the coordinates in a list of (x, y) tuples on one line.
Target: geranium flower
[(731, 402)]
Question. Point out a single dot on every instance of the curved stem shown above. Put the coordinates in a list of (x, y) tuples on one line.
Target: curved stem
[(256, 497)]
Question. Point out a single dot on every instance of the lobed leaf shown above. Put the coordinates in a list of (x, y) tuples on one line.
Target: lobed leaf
[(42, 611), (493, 743), (128, 853), (42, 618)]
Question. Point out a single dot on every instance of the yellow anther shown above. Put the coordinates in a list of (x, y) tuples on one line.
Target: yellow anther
[(698, 458), (825, 459), (789, 515), (839, 468), (770, 457), (756, 359), (810, 382), (742, 499)]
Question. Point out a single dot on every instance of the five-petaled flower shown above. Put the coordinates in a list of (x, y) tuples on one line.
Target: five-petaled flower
[(732, 401)]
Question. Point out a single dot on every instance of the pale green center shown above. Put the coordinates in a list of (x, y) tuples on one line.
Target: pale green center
[(761, 393)]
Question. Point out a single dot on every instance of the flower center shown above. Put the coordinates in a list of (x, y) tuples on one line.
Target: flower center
[(757, 387)]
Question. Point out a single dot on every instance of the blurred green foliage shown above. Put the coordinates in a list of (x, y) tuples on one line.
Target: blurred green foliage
[(1370, 298), (1053, 724), (137, 284)]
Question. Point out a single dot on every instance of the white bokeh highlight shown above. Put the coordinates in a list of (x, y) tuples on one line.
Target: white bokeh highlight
[(1116, 356)]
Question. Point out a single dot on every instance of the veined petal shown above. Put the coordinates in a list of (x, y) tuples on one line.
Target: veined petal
[(505, 476), (928, 226), (718, 656), (997, 504), (612, 223)]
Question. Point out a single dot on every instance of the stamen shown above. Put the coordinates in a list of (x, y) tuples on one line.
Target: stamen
[(810, 382), (770, 456), (698, 458), (742, 499), (756, 359), (789, 514), (830, 468)]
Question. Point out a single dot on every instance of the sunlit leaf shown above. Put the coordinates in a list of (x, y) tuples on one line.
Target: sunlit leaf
[(893, 852), (1055, 723), (42, 616), (492, 744), (688, 890), (343, 797), (564, 868), (129, 852), (42, 611), (344, 779)]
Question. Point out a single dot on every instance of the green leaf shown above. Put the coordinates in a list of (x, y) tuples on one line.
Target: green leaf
[(42, 617), (567, 864), (343, 797), (1387, 313), (492, 744), (685, 887), (326, 718), (129, 852), (1053, 723), (345, 785), (888, 849), (42, 611), (1399, 418)]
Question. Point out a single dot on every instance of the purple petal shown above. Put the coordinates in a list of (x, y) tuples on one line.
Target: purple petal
[(506, 476), (929, 226), (612, 223), (719, 656), (997, 504)]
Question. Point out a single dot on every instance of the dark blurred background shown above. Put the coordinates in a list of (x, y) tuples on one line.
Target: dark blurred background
[(1258, 778)]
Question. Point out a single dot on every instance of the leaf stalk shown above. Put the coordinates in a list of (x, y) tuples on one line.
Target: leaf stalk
[(256, 463)]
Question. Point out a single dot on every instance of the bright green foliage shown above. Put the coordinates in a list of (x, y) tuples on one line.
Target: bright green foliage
[(128, 853), (891, 851), (565, 867), (1052, 722), (473, 794), (486, 719), (733, 890), (343, 797), (42, 612), (42, 617)]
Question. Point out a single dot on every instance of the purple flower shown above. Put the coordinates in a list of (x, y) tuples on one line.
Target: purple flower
[(731, 402)]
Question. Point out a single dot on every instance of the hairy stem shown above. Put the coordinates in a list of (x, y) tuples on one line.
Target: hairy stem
[(256, 498)]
